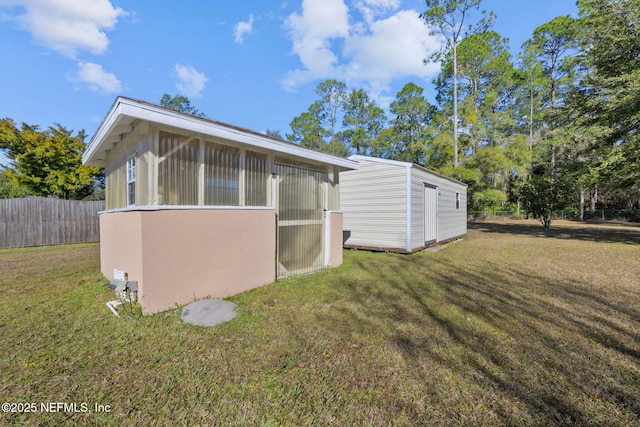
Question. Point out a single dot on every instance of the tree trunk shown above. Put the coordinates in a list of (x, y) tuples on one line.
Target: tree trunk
[(593, 199), (455, 106), (581, 202), (531, 123)]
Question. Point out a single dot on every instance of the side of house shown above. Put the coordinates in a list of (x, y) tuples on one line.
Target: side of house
[(197, 208)]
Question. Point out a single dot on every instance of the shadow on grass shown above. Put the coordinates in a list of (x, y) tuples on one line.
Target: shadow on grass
[(620, 233), (504, 343)]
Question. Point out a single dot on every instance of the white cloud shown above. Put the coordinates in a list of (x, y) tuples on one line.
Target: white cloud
[(98, 80), (371, 49), (68, 26), (191, 82), (370, 9), (311, 33), (395, 47), (242, 29)]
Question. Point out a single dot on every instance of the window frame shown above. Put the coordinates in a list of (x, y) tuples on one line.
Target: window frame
[(132, 166)]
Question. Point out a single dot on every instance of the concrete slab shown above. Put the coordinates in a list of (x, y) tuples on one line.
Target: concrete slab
[(208, 312), (435, 248), (442, 246)]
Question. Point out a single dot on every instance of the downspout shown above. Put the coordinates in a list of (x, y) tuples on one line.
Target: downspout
[(325, 261), (437, 214), (408, 187)]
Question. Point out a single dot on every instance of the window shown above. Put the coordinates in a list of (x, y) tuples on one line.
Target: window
[(194, 172), (131, 181), (222, 175), (457, 200), (178, 169), (257, 176)]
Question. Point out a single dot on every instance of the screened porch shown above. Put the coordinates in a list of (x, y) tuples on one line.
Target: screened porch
[(196, 207), (168, 169)]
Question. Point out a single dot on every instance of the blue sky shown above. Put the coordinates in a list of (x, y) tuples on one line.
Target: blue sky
[(249, 63)]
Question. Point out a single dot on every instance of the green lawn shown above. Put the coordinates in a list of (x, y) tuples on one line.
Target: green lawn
[(511, 326)]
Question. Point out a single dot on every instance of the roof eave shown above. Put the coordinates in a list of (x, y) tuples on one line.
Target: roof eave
[(357, 157), (126, 107)]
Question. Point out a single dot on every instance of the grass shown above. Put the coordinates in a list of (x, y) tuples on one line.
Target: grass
[(513, 325)]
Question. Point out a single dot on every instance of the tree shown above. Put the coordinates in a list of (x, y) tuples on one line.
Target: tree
[(449, 17), (606, 97), (332, 98), (486, 86), (10, 190), (550, 45), (363, 121), (317, 127), (488, 142), (274, 133), (548, 73), (179, 103), (307, 130), (542, 194), (439, 150), (412, 115), (47, 163), (390, 145), (528, 103)]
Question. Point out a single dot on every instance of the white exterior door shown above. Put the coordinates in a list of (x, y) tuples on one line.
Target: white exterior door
[(430, 214), (300, 202)]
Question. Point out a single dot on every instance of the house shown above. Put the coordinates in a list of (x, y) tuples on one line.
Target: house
[(400, 207), (197, 208)]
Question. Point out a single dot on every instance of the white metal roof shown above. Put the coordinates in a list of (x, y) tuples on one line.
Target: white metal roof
[(408, 165), (125, 111)]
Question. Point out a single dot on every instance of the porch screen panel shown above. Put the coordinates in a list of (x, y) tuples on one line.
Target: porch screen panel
[(115, 184), (116, 190), (300, 220), (257, 172), (178, 166), (143, 193), (221, 175)]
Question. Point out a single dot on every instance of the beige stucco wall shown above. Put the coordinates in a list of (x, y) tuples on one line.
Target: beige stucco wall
[(121, 244), (178, 256), (334, 228)]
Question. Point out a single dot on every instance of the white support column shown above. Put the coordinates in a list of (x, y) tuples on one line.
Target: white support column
[(328, 170), (271, 182), (155, 144), (243, 176), (201, 183)]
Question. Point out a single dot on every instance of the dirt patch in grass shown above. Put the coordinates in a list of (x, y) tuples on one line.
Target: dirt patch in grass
[(513, 325)]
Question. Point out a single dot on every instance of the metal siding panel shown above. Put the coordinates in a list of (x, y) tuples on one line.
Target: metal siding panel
[(417, 207), (374, 200), (452, 221)]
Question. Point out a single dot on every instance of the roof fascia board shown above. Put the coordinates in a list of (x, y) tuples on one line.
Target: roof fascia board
[(359, 157), (152, 113), (109, 122)]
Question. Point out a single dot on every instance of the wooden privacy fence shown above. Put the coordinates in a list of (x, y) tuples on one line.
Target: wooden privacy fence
[(38, 221)]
